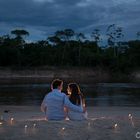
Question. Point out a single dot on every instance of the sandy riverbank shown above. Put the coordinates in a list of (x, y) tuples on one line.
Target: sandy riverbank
[(68, 74), (99, 126)]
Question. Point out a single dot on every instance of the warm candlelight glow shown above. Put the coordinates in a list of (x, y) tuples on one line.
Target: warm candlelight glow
[(131, 119), (1, 123), (25, 126), (88, 124), (12, 119), (115, 126), (63, 128), (25, 129), (1, 117), (34, 125), (129, 115)]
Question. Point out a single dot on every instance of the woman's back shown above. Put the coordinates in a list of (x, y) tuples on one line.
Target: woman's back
[(76, 98), (77, 115)]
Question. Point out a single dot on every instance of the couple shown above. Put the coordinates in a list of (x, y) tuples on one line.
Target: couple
[(59, 106)]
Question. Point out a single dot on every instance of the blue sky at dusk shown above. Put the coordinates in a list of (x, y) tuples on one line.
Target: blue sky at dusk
[(41, 18)]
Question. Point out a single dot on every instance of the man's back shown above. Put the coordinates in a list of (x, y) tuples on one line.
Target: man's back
[(55, 105)]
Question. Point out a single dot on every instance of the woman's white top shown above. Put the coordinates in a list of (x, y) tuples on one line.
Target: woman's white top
[(73, 115)]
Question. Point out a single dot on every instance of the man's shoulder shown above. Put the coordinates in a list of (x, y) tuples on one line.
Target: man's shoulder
[(63, 93)]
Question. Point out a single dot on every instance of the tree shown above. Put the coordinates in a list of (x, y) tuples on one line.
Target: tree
[(115, 35), (54, 40), (19, 35), (96, 35), (80, 37), (64, 35), (138, 35)]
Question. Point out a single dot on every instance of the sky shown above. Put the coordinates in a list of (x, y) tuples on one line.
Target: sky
[(41, 18)]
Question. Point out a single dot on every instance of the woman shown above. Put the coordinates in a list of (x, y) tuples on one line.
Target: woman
[(76, 97)]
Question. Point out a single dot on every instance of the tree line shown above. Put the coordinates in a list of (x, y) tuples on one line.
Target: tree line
[(68, 48)]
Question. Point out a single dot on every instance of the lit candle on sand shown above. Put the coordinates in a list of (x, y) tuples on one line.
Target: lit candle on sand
[(131, 119), (129, 116), (25, 129), (63, 128), (1, 118), (89, 125), (11, 120), (34, 125), (115, 126)]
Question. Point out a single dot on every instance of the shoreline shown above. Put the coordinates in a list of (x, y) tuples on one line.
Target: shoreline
[(68, 74)]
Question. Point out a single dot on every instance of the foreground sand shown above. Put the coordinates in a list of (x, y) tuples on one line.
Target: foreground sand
[(29, 124)]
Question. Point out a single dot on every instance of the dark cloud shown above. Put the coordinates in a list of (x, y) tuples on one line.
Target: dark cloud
[(46, 16)]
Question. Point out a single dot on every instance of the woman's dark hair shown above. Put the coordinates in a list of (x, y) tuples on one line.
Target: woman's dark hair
[(56, 83), (75, 94)]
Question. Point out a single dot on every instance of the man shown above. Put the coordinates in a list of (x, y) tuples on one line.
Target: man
[(55, 101)]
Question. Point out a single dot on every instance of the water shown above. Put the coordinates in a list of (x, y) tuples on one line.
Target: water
[(101, 94)]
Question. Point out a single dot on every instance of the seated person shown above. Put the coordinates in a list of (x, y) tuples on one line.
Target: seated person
[(76, 98)]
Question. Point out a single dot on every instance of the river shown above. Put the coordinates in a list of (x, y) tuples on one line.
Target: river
[(100, 94)]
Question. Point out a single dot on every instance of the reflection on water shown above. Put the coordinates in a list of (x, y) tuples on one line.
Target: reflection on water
[(101, 94)]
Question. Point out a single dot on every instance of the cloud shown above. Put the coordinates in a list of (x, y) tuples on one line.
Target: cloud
[(43, 17)]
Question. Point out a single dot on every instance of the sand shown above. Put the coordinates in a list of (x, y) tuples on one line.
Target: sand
[(29, 124)]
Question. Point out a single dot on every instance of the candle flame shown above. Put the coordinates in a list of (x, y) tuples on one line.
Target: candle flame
[(115, 126), (25, 126), (63, 128), (1, 123), (12, 119)]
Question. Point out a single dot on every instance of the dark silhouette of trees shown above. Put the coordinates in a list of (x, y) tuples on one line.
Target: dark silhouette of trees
[(67, 48), (80, 37), (115, 35)]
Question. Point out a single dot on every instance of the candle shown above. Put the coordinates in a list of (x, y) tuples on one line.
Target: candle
[(131, 119), (25, 129), (25, 126), (129, 115), (34, 125), (115, 126), (63, 128), (11, 120), (1, 117)]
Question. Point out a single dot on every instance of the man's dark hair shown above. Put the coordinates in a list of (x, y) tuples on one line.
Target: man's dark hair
[(56, 83)]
